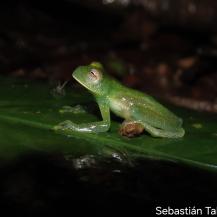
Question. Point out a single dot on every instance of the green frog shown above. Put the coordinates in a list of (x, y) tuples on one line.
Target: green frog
[(139, 110)]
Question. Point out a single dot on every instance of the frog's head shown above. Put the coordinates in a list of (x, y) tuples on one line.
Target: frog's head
[(90, 76)]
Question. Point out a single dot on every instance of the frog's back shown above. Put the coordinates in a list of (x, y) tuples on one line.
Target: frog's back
[(134, 105)]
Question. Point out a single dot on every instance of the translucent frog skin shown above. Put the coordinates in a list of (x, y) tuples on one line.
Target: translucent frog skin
[(136, 108)]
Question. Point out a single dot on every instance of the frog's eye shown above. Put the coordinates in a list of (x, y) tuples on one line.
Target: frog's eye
[(94, 75)]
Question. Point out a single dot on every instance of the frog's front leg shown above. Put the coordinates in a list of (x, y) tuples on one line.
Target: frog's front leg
[(94, 127)]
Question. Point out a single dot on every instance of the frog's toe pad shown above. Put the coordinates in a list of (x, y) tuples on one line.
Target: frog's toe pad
[(63, 125), (131, 129)]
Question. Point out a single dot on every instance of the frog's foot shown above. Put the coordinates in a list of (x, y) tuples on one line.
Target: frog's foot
[(66, 125), (131, 129), (175, 133)]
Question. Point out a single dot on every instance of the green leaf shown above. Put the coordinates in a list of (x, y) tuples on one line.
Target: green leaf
[(29, 111)]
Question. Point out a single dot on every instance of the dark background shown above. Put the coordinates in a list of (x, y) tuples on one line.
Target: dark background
[(166, 48)]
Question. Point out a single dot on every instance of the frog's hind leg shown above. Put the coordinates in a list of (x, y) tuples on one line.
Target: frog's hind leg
[(156, 132), (131, 128), (157, 124)]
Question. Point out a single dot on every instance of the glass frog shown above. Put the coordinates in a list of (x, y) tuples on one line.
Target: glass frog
[(139, 110)]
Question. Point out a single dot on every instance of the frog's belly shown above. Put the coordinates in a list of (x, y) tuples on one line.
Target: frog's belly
[(121, 107)]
